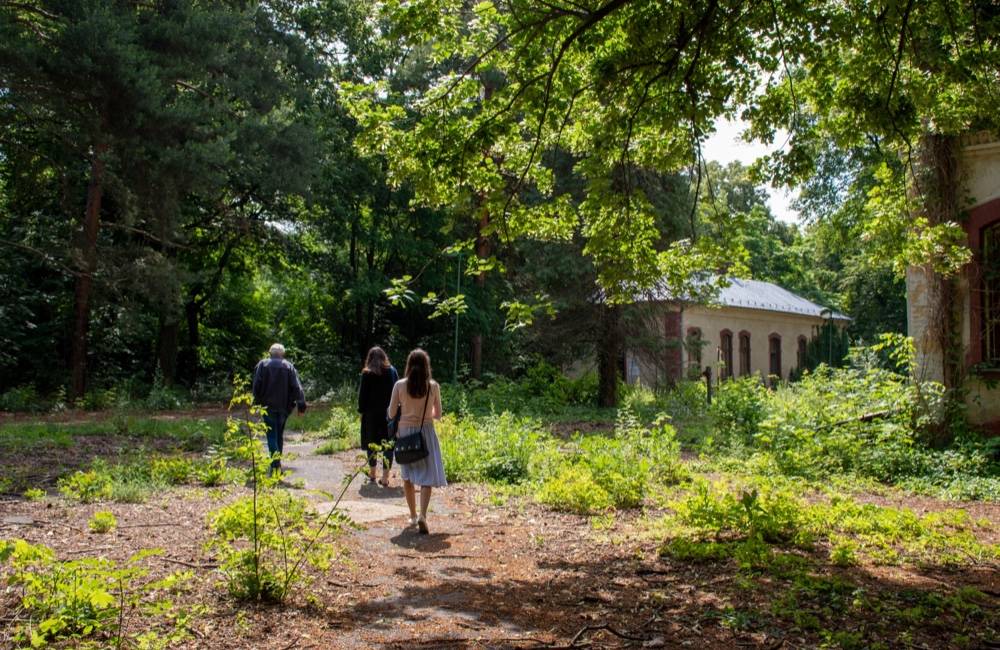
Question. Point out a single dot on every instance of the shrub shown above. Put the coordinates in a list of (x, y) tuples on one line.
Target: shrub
[(863, 421), (261, 545), (623, 466), (687, 401), (102, 522), (213, 471), (34, 494), (493, 449), (21, 399), (99, 399), (86, 487), (263, 541), (574, 489), (341, 424), (172, 471), (84, 600), (738, 409), (162, 397), (773, 514), (543, 390)]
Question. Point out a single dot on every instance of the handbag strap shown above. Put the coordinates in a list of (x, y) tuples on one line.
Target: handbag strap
[(423, 413)]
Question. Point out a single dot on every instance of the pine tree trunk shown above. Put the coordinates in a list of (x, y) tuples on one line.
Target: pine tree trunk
[(609, 349), (166, 350), (87, 266), (482, 252), (189, 357)]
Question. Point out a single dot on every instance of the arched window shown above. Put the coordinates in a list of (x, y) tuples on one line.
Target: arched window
[(726, 350), (803, 347), (694, 347), (745, 353), (774, 354)]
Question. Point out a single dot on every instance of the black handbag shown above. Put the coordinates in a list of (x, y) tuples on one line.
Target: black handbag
[(411, 448)]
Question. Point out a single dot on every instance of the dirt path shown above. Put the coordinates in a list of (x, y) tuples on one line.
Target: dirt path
[(324, 475), (483, 577)]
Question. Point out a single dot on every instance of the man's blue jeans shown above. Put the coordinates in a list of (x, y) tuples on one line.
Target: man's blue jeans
[(275, 421)]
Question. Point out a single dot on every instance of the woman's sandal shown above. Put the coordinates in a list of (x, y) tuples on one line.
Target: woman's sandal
[(422, 526)]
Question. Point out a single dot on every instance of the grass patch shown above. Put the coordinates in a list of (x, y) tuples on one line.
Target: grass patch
[(188, 433), (334, 446), (746, 519)]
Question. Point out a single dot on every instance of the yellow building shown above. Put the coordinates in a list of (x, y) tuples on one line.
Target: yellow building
[(752, 328)]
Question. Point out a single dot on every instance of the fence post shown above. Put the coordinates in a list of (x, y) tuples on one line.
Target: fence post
[(708, 382)]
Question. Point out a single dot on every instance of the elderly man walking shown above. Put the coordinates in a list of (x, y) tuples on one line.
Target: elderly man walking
[(276, 387)]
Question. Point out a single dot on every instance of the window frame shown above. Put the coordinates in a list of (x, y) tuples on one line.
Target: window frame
[(981, 220), (726, 350), (772, 352), (746, 357)]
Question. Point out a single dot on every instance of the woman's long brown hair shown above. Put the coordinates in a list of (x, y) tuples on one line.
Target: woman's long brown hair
[(377, 361), (418, 373)]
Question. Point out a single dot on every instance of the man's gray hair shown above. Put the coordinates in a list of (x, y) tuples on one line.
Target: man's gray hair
[(277, 350)]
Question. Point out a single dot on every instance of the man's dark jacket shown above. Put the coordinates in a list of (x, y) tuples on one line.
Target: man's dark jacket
[(276, 385)]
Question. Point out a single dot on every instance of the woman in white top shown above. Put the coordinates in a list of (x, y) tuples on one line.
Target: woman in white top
[(419, 399)]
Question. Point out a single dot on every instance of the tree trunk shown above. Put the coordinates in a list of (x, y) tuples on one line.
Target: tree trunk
[(939, 187), (87, 265), (189, 357), (609, 349), (359, 336), (482, 252), (166, 350)]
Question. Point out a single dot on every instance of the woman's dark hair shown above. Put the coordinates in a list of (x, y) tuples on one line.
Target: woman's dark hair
[(418, 373), (377, 361)]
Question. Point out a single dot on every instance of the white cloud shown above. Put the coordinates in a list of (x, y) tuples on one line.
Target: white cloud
[(726, 146)]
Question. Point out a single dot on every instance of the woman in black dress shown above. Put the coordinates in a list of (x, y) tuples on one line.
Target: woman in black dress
[(377, 379)]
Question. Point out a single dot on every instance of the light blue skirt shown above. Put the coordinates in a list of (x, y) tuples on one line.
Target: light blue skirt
[(428, 472)]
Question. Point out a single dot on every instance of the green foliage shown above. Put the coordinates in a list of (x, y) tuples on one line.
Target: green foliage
[(493, 449), (102, 522), (82, 602), (865, 421), (543, 390), (618, 471), (21, 399), (738, 410), (34, 494), (164, 398), (338, 432), (172, 471), (342, 423), (86, 486), (574, 489), (772, 513), (262, 543), (334, 446)]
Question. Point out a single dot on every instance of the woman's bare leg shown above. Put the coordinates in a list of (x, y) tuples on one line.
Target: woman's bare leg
[(425, 500), (411, 498)]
